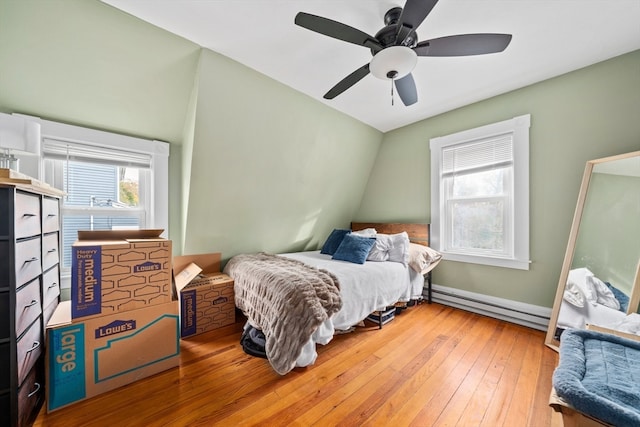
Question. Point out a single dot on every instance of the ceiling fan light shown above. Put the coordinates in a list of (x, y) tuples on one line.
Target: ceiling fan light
[(393, 62)]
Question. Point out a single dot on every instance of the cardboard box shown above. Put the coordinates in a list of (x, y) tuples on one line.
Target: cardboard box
[(206, 295), (88, 358), (116, 271)]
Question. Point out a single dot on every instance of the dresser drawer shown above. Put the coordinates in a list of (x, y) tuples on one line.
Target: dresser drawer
[(5, 358), (30, 395), (50, 286), (28, 264), (28, 306), (29, 349), (5, 312), (50, 251), (50, 215), (5, 268), (27, 215)]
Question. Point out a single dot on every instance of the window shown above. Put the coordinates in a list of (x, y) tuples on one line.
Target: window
[(98, 196), (111, 181), (480, 194)]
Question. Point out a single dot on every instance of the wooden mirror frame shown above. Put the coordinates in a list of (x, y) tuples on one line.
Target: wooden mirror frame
[(634, 298)]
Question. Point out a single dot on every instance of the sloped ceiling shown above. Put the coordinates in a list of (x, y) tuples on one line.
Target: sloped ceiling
[(549, 38)]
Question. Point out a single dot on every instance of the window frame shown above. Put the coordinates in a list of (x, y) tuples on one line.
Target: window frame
[(518, 127), (157, 189)]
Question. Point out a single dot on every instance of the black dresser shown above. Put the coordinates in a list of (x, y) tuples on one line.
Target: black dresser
[(29, 293)]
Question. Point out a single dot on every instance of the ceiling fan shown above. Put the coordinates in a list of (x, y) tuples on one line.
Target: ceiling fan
[(395, 48)]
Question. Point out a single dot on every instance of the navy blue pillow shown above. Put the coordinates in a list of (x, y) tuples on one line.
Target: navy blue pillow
[(354, 248), (333, 241), (622, 298)]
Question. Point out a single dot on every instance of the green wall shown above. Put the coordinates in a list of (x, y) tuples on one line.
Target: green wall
[(84, 62), (608, 241), (271, 169), (587, 114)]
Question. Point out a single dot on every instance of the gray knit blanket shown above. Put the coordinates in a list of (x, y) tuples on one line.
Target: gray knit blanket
[(286, 299)]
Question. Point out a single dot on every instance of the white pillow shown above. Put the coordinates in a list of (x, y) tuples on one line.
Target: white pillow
[(399, 251), (589, 291), (579, 278), (390, 247), (380, 249), (573, 295), (603, 293), (420, 256)]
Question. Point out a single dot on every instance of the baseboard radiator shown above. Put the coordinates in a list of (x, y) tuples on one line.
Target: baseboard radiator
[(529, 315)]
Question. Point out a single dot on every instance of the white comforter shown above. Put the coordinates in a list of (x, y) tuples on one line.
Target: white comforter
[(364, 288)]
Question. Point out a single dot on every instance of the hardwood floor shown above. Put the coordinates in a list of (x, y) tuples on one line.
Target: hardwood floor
[(432, 366)]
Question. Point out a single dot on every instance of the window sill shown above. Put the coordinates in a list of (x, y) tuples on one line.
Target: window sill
[(484, 260)]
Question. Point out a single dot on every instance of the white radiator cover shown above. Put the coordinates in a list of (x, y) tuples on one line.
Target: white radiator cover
[(532, 316)]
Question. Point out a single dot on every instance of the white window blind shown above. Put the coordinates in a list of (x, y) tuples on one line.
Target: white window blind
[(82, 152), (478, 156)]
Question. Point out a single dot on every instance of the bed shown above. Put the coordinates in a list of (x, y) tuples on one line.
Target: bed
[(299, 300), (588, 300)]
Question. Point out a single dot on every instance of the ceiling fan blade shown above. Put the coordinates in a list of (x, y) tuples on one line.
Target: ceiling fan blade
[(413, 13), (347, 82), (464, 45), (406, 88), (337, 30)]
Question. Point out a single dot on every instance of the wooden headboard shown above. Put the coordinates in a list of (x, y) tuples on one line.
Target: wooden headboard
[(418, 233)]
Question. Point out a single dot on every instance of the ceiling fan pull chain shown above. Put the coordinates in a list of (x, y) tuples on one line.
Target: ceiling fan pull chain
[(391, 92)]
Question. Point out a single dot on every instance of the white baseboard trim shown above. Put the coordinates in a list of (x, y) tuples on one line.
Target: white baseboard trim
[(532, 316)]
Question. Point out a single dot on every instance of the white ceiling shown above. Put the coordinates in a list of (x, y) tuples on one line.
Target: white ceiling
[(550, 37)]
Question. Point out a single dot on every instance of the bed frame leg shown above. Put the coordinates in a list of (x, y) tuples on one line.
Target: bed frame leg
[(428, 280)]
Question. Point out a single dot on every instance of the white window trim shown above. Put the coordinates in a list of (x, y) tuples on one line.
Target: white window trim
[(519, 126), (159, 151), (158, 188)]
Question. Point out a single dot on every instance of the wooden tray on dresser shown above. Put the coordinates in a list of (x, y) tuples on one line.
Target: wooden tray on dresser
[(20, 180)]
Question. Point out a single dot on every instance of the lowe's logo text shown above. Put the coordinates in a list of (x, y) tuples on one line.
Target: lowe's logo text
[(147, 266), (115, 327)]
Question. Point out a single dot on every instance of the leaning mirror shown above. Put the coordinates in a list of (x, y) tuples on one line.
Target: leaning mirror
[(599, 282)]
